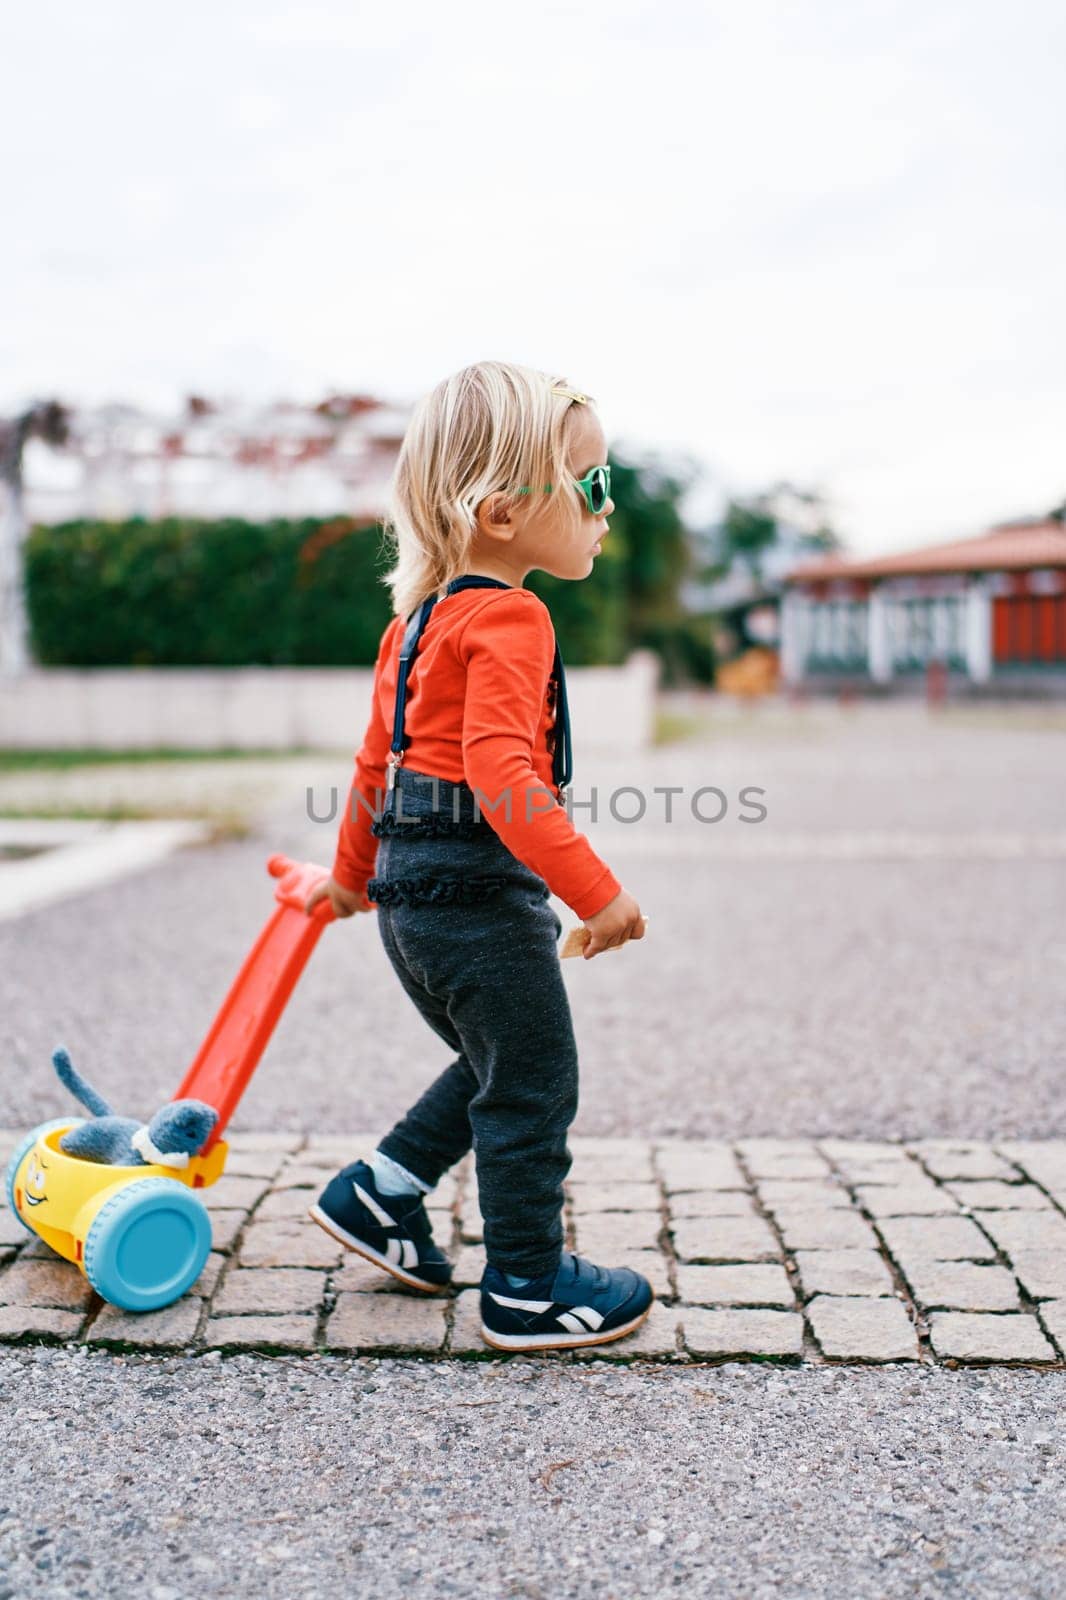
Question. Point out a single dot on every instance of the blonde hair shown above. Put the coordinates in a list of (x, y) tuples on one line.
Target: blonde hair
[(492, 427)]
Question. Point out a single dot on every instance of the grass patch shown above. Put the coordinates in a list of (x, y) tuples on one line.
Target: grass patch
[(671, 727), (743, 722), (221, 825), (63, 760)]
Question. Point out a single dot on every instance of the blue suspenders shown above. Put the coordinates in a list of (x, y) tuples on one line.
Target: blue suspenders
[(562, 768)]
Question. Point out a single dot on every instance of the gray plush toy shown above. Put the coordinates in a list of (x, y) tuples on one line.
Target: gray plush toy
[(177, 1131)]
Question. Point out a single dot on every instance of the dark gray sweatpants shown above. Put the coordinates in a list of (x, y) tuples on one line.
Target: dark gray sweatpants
[(473, 940)]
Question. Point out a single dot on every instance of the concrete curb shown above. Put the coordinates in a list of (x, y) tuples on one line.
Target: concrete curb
[(80, 855)]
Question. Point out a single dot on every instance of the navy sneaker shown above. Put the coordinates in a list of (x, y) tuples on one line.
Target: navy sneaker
[(391, 1230), (577, 1304)]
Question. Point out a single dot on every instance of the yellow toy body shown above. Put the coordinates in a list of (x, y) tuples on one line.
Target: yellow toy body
[(139, 1234), (57, 1196)]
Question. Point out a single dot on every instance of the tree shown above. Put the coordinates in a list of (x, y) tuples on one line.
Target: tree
[(748, 531), (657, 554), (635, 599), (48, 421), (652, 539), (779, 517)]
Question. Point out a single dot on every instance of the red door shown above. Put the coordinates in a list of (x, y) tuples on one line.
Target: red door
[(1029, 629)]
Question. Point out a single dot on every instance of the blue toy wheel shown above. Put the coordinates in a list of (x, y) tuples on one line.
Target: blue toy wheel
[(21, 1149), (147, 1244)]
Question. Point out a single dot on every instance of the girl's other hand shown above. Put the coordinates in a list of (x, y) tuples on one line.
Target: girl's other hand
[(345, 902), (618, 922)]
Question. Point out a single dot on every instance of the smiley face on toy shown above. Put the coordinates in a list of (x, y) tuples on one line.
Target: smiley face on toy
[(35, 1180)]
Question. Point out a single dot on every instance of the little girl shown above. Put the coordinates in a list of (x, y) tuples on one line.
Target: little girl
[(502, 470)]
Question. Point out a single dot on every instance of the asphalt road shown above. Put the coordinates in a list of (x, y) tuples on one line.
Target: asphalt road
[(883, 955), (302, 1480)]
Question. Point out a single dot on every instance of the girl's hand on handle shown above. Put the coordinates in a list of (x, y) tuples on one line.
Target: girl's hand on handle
[(618, 922), (345, 902)]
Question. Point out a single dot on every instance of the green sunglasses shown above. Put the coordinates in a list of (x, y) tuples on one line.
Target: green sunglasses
[(595, 486)]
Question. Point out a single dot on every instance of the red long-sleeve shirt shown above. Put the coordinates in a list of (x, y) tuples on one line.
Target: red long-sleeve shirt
[(478, 709)]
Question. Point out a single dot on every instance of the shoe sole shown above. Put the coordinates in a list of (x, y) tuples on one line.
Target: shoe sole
[(564, 1341), (361, 1248)]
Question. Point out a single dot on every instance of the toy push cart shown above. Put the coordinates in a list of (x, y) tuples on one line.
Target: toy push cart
[(141, 1235)]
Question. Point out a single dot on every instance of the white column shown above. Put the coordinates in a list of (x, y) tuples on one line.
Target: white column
[(878, 644), (793, 636), (14, 627), (977, 630)]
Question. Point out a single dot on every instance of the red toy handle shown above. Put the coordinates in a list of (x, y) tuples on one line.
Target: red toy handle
[(239, 1034)]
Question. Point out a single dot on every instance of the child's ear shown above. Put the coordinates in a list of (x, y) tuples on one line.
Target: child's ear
[(494, 512)]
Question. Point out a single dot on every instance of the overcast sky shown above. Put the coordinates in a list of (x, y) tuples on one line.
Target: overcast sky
[(824, 241)]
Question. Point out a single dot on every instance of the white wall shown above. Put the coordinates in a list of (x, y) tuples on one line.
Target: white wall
[(270, 707)]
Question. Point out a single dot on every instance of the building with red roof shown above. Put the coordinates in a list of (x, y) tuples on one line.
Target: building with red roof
[(990, 611)]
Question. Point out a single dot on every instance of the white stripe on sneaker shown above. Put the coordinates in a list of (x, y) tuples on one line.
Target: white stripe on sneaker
[(410, 1253), (372, 1206), (520, 1305), (394, 1252), (590, 1314), (569, 1320)]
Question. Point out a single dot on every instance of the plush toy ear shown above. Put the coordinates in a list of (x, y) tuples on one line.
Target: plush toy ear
[(182, 1126)]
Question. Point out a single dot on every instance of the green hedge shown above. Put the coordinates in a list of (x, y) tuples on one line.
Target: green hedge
[(182, 592), (308, 592)]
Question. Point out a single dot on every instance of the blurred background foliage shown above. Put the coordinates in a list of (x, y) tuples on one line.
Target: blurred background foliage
[(309, 592)]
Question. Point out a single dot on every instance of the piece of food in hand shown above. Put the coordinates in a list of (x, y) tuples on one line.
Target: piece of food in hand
[(578, 938)]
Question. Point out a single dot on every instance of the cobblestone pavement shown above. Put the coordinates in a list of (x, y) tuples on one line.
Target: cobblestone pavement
[(800, 1251)]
